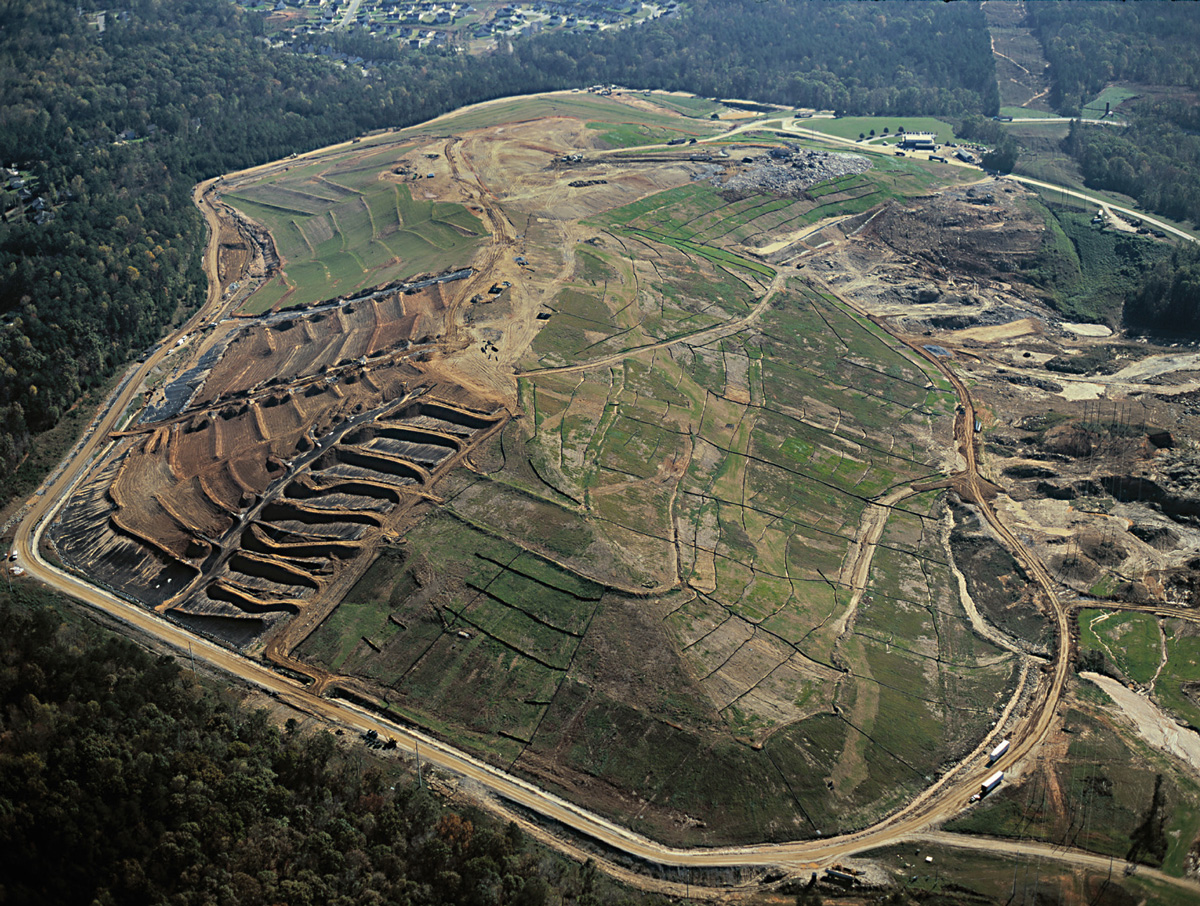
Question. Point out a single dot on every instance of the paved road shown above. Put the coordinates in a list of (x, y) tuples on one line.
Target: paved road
[(351, 12), (1101, 203), (944, 797)]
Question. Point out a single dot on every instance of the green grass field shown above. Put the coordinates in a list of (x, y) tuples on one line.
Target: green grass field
[(687, 106), (1024, 112), (1108, 779), (1113, 96), (592, 108), (1088, 270), (644, 583), (851, 126), (338, 231), (1131, 641), (1181, 671)]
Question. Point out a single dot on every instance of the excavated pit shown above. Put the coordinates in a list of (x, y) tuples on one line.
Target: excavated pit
[(281, 450)]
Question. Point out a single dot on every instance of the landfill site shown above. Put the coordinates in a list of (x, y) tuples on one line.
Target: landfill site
[(624, 468)]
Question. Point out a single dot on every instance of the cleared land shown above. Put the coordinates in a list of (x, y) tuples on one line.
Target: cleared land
[(632, 505)]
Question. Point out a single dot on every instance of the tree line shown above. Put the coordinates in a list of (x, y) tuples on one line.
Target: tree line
[(1090, 45), (1156, 160), (1169, 299)]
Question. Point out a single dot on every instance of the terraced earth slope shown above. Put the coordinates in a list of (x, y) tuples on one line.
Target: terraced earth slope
[(589, 468)]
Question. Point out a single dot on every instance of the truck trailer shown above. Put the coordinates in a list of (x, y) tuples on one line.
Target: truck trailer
[(997, 752), (987, 786)]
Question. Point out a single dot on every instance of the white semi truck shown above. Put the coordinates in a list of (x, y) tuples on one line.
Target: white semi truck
[(988, 785)]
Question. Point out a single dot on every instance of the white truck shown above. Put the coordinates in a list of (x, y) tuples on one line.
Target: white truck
[(998, 752), (987, 786)]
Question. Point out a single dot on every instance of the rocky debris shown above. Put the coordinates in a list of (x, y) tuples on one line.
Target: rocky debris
[(1183, 588), (1175, 492), (924, 295), (999, 241), (989, 317), (1025, 472), (1159, 537), (1030, 381), (791, 171), (1070, 440), (1055, 491)]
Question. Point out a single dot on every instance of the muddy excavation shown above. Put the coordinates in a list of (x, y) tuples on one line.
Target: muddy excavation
[(1079, 425), (281, 449)]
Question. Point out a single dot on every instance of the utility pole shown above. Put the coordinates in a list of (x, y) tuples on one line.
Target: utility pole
[(420, 781)]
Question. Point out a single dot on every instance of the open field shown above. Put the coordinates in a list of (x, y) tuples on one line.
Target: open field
[(1130, 641), (341, 228), (853, 126), (1107, 100), (1102, 790)]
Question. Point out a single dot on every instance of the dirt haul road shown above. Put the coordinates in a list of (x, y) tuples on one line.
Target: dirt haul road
[(1033, 728), (943, 798)]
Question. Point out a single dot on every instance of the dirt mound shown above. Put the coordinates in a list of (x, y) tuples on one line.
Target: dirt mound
[(988, 233), (310, 436)]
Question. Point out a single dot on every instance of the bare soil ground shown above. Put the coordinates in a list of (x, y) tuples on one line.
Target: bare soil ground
[(1075, 453)]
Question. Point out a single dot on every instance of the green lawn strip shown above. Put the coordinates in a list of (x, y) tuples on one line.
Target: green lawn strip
[(266, 296), (521, 632), (717, 256), (265, 199), (581, 106), (1113, 96), (851, 126), (728, 214), (631, 135), (481, 685), (592, 265), (670, 767), (432, 237), (687, 106), (544, 602), (1025, 112), (627, 214)]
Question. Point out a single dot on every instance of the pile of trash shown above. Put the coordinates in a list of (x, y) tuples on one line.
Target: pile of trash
[(790, 171)]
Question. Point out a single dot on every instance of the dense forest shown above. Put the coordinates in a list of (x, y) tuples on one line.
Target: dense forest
[(1090, 45), (893, 59), (1156, 158), (109, 132), (1170, 297), (124, 780)]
